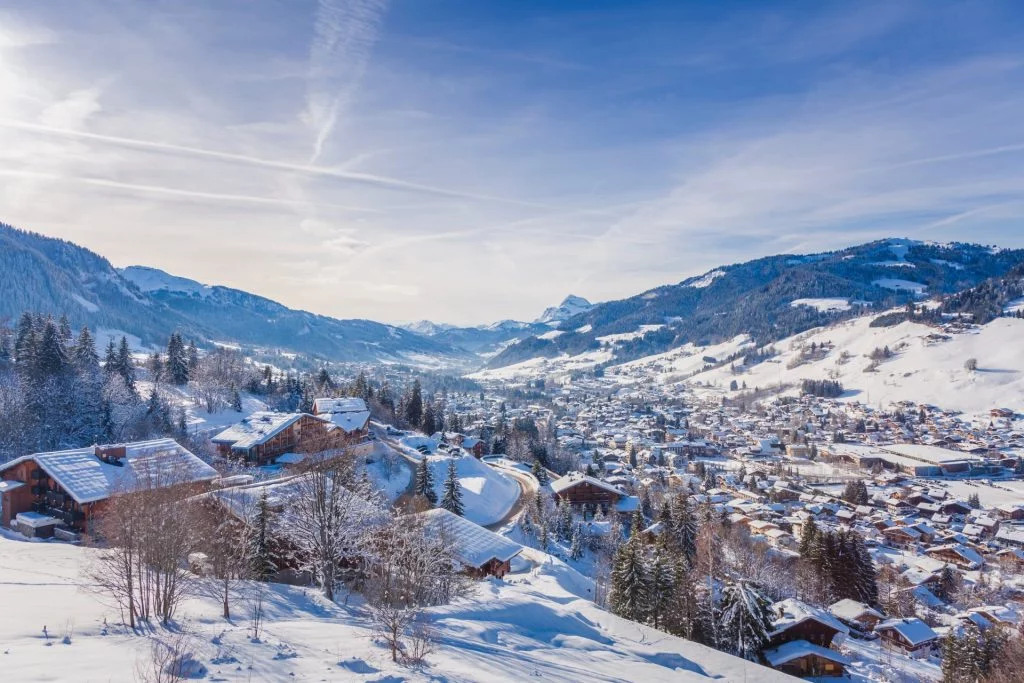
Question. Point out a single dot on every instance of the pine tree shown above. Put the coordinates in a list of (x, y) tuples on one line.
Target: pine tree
[(576, 547), (564, 522), (429, 425), (236, 400), (661, 588), (51, 356), (192, 359), (539, 473), (424, 485), (261, 557), (746, 619), (177, 363), (451, 499), (25, 343), (628, 597), (636, 523), (414, 405), (808, 534), (684, 527), (125, 366)]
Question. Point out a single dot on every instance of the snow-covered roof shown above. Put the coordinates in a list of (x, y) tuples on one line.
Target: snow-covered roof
[(852, 610), (88, 479), (258, 428), (351, 421), (474, 545), (576, 478), (913, 630), (795, 649), (969, 554), (792, 612), (346, 404)]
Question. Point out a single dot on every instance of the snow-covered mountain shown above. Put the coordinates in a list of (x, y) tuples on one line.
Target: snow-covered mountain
[(756, 297), (57, 277), (245, 318), (570, 306)]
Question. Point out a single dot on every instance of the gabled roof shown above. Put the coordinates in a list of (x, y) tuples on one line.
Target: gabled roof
[(473, 545), (791, 612), (796, 649), (347, 404), (575, 479), (851, 610), (258, 428), (913, 630), (88, 479)]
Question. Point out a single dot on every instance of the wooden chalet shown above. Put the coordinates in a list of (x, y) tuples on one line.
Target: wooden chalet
[(803, 660), (580, 490), (265, 435), (796, 620), (59, 493), (479, 551), (911, 636), (349, 415), (856, 614)]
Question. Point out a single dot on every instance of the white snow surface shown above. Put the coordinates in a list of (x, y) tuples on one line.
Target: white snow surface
[(704, 280), (826, 304), (900, 285), (538, 624), (487, 494), (925, 367)]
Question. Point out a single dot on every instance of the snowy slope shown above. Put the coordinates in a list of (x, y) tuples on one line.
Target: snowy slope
[(534, 626), (487, 494), (679, 363), (927, 365)]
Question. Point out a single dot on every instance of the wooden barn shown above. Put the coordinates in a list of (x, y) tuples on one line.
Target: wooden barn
[(49, 493)]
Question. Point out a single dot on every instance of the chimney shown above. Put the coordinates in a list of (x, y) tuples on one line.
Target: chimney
[(111, 454)]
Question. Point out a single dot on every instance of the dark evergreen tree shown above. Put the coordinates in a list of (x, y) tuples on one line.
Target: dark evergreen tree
[(262, 562), (745, 621), (451, 499), (628, 596), (539, 473), (177, 362), (424, 484), (414, 405)]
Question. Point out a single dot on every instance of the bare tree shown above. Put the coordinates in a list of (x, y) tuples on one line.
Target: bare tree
[(224, 541), (330, 513)]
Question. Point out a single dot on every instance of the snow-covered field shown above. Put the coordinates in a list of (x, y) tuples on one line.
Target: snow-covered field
[(487, 493), (538, 624), (926, 366), (823, 304), (541, 367), (680, 362)]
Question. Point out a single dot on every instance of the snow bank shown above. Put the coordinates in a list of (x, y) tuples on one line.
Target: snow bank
[(823, 304)]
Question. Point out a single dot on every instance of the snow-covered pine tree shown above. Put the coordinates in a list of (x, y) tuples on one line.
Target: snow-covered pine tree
[(451, 500), (564, 523), (684, 527), (746, 619), (628, 597), (177, 363), (661, 588), (539, 473), (576, 546), (261, 557), (424, 485)]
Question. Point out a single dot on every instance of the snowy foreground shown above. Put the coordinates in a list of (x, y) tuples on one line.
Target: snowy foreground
[(536, 625)]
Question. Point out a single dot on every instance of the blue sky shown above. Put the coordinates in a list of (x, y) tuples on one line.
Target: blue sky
[(468, 161)]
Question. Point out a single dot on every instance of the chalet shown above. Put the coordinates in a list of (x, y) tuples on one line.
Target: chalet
[(957, 554), (912, 636), (901, 536), (856, 614), (1014, 511), (45, 493), (802, 659), (480, 552), (580, 490), (798, 621), (474, 446), (263, 436), (350, 415)]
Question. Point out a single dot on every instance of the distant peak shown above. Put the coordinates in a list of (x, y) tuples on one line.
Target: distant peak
[(570, 306)]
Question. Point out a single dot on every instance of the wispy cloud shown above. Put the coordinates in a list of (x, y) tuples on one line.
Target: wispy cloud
[(344, 34)]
